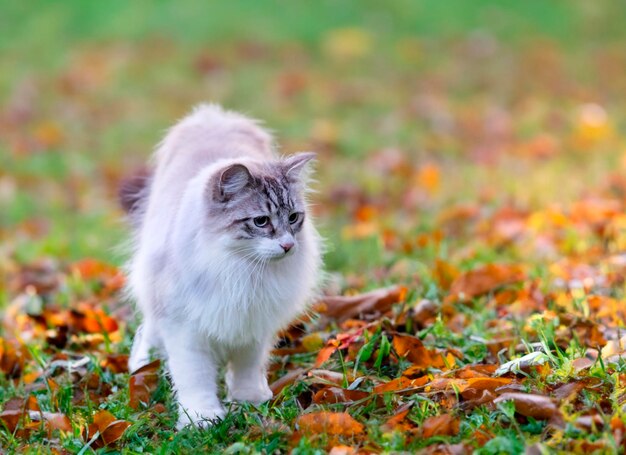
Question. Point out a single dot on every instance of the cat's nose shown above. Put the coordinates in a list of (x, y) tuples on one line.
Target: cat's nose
[(286, 246)]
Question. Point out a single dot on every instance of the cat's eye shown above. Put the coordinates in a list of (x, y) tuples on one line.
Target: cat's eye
[(261, 221), (294, 217)]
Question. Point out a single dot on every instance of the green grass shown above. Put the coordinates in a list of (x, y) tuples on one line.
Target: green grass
[(469, 87)]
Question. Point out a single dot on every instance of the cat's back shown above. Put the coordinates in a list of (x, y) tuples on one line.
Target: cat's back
[(205, 136), (211, 133)]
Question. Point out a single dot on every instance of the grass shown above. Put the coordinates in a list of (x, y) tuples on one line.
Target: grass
[(440, 128)]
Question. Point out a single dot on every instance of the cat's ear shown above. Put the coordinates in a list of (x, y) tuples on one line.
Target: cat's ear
[(294, 165), (231, 181)]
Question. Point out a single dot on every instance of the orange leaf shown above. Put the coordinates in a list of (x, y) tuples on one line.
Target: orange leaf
[(325, 353), (277, 386), (111, 429), (530, 405), (401, 383), (332, 423), (413, 350), (476, 386), (114, 431), (12, 358), (57, 421), (11, 418), (332, 395), (346, 307), (441, 425), (428, 177), (445, 274), (143, 383), (481, 281), (398, 420), (90, 269), (101, 420), (117, 363), (405, 345)]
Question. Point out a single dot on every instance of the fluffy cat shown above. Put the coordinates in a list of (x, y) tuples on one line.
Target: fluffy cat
[(225, 256)]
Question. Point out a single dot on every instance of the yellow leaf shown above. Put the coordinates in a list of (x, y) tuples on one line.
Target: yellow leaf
[(347, 43)]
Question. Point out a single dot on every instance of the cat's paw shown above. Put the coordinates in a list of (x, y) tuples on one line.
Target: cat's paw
[(254, 395), (199, 418)]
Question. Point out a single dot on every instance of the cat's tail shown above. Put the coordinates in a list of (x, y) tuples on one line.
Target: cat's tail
[(133, 195)]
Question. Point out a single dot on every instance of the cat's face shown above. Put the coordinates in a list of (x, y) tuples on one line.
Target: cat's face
[(260, 212)]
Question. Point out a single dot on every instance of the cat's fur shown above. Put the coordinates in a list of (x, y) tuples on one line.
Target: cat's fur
[(214, 289)]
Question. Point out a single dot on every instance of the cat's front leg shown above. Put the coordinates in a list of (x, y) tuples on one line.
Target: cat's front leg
[(246, 376), (193, 367), (146, 341)]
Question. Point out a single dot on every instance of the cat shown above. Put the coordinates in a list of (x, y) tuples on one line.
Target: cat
[(225, 255)]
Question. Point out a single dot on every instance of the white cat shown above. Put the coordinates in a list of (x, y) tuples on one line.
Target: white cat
[(226, 255)]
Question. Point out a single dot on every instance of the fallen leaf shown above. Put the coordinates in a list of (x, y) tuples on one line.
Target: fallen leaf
[(582, 363), (117, 363), (11, 418), (331, 395), (517, 365), (332, 423), (58, 421), (12, 358), (414, 351), (341, 450), (441, 425), (477, 386), (398, 422), (531, 405), (142, 383), (483, 280), (114, 431), (110, 429), (428, 177), (346, 307), (568, 391), (277, 386), (400, 384)]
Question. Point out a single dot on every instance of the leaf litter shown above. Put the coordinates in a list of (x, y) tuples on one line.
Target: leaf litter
[(456, 326)]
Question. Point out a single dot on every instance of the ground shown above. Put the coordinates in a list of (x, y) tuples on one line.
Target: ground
[(471, 188)]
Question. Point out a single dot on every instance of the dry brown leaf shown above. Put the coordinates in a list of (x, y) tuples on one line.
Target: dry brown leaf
[(11, 418), (441, 425), (531, 405), (12, 358), (568, 391), (346, 307), (341, 341), (414, 351), (57, 421), (483, 280), (277, 386), (114, 431), (326, 352), (399, 422), (332, 423), (327, 377), (444, 274), (142, 383), (110, 428), (117, 363), (475, 387), (400, 384), (331, 395), (582, 363)]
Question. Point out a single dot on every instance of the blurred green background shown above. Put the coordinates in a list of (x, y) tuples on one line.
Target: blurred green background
[(413, 106)]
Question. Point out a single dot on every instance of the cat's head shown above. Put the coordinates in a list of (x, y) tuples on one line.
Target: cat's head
[(258, 209)]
